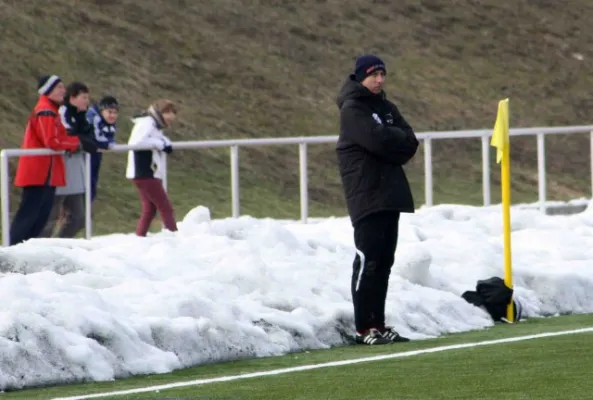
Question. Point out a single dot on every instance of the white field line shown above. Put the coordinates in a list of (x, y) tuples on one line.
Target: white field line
[(280, 371)]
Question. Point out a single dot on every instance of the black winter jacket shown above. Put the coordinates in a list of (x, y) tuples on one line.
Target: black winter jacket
[(76, 124), (375, 142)]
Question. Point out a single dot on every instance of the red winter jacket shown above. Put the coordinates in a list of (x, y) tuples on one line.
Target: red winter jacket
[(44, 130)]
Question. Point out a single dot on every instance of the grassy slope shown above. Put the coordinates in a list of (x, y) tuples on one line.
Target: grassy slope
[(272, 68)]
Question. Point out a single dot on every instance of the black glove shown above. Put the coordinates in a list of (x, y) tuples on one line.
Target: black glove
[(168, 149), (88, 144)]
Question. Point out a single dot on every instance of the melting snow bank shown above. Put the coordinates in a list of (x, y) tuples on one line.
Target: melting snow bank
[(119, 305)]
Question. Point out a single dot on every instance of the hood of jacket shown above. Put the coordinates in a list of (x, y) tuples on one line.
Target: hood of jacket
[(352, 89), (154, 115)]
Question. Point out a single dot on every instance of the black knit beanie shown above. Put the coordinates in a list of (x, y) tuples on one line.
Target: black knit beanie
[(366, 65)]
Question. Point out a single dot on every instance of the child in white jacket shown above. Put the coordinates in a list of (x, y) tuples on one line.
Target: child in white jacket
[(146, 167)]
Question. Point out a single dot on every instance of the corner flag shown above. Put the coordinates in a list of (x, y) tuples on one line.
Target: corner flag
[(500, 140)]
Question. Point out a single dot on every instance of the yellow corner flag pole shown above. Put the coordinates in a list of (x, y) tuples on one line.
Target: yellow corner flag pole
[(500, 140)]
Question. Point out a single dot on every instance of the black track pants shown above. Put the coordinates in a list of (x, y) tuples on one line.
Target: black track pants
[(375, 238)]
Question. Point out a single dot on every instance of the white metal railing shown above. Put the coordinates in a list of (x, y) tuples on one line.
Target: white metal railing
[(303, 142)]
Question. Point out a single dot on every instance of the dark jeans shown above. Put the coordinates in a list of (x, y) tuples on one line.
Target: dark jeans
[(96, 159), (33, 212), (153, 198), (70, 210), (375, 238)]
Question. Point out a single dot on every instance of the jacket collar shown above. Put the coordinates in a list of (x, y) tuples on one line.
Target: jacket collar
[(158, 118), (45, 102)]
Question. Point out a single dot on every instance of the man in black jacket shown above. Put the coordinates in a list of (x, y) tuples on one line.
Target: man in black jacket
[(375, 142), (69, 206)]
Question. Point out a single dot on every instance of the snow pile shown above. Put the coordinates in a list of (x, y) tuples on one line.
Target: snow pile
[(225, 289)]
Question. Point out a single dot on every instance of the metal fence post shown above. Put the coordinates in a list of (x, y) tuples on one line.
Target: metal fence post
[(428, 171), (87, 197), (541, 171), (5, 195), (235, 180), (164, 182), (165, 159), (303, 182), (486, 170)]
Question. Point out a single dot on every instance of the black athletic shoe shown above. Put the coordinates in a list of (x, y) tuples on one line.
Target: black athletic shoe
[(372, 337), (391, 334)]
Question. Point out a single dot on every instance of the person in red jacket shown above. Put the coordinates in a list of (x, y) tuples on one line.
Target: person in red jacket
[(38, 176)]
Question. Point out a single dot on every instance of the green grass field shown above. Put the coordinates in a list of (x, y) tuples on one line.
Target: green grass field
[(544, 368)]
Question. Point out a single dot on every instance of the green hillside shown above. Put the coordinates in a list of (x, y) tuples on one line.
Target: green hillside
[(273, 68)]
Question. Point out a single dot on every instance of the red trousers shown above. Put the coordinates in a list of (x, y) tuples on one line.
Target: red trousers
[(154, 197)]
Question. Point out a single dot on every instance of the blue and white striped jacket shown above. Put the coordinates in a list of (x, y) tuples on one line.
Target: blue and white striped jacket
[(104, 132)]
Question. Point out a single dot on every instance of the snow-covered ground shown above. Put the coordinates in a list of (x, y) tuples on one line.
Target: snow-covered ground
[(221, 289)]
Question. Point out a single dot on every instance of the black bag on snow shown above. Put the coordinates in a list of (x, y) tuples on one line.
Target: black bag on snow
[(493, 295)]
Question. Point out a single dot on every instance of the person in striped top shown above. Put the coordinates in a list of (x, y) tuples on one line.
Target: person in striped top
[(103, 118)]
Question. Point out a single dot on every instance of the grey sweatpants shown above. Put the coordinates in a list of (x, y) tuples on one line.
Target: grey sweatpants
[(69, 209)]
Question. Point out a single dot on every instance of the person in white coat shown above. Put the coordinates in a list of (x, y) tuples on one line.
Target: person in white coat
[(146, 167)]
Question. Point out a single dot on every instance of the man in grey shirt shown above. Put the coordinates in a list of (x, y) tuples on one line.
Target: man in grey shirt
[(69, 205)]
